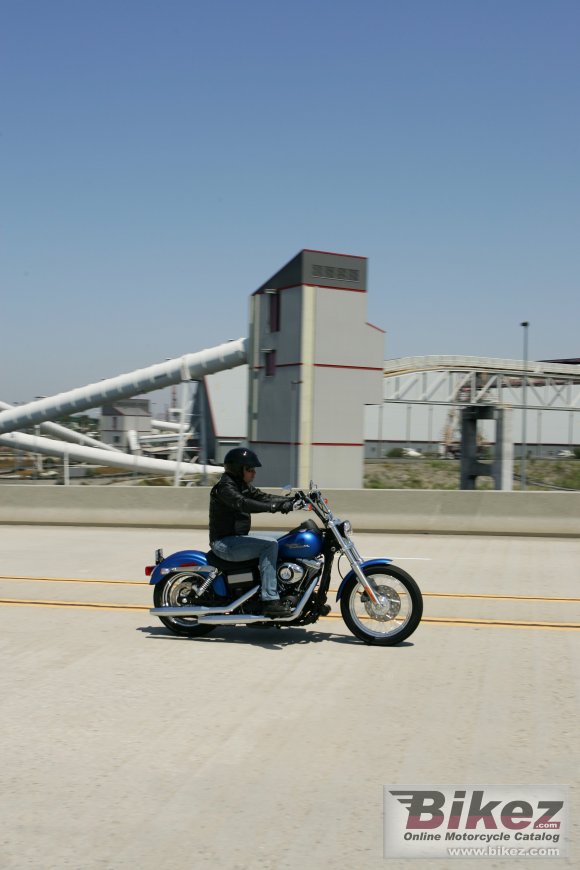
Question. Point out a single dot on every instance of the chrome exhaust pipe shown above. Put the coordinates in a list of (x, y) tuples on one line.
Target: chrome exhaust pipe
[(224, 615), (245, 619), (199, 611), (232, 619)]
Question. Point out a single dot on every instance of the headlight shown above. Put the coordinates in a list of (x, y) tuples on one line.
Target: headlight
[(346, 527)]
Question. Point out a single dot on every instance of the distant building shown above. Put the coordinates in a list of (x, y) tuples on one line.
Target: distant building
[(120, 418), (314, 363)]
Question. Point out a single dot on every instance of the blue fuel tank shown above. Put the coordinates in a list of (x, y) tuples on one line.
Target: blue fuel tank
[(305, 542)]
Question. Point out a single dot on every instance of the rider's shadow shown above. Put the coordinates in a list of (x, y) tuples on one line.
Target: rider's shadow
[(269, 638)]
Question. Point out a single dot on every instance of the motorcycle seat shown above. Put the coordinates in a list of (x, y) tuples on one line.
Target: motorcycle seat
[(227, 567)]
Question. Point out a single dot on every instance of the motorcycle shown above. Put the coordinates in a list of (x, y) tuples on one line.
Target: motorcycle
[(194, 592)]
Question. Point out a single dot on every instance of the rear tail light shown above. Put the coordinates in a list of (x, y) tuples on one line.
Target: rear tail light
[(149, 569)]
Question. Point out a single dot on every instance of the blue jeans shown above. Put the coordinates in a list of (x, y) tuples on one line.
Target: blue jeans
[(238, 548)]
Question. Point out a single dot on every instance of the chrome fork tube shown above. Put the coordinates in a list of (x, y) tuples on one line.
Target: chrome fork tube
[(364, 581), (354, 557)]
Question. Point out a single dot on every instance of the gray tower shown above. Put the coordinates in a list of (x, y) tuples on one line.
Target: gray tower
[(314, 363)]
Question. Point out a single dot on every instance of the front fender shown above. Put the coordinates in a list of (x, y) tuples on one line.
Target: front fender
[(181, 559), (370, 563)]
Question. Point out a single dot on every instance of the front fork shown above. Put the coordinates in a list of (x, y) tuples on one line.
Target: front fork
[(352, 554)]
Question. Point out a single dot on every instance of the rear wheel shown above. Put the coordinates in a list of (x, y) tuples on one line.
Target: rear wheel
[(176, 591), (395, 617)]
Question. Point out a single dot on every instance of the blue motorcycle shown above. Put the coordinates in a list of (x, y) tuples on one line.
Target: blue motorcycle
[(194, 592)]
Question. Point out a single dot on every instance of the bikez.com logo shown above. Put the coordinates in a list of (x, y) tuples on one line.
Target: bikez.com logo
[(427, 811), (489, 821)]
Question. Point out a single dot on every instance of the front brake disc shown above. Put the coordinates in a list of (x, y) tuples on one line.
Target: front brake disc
[(389, 606)]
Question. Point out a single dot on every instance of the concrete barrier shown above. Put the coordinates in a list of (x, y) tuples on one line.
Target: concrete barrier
[(380, 510)]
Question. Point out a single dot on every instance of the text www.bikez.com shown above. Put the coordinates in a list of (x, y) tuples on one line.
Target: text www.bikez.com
[(501, 852)]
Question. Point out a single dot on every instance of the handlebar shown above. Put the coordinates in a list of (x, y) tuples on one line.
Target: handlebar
[(312, 500)]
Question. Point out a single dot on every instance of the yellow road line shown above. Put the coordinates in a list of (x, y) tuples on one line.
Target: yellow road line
[(496, 597), (77, 580), (75, 604), (467, 595), (438, 620), (501, 623), (485, 596), (504, 623)]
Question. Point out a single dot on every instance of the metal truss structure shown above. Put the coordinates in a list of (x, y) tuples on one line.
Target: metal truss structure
[(466, 380)]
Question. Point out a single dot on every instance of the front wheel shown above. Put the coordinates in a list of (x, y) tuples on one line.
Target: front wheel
[(175, 591), (396, 616)]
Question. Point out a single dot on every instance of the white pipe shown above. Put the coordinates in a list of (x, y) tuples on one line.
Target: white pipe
[(162, 438), (165, 426), (189, 366), (67, 434), (133, 442), (36, 444)]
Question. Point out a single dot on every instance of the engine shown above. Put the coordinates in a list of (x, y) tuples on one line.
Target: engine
[(290, 573)]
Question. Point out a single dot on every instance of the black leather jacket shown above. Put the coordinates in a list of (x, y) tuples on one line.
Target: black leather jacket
[(232, 501)]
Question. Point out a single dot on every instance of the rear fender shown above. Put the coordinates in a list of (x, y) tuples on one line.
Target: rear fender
[(181, 559), (371, 563)]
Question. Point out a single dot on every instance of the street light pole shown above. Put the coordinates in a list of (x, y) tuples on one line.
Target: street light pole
[(525, 324)]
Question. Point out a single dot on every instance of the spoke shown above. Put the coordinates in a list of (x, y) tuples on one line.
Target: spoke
[(171, 596)]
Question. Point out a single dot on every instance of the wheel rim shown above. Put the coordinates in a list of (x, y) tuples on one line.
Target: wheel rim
[(176, 593), (387, 618)]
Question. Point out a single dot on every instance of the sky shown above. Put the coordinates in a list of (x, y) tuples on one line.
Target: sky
[(160, 160)]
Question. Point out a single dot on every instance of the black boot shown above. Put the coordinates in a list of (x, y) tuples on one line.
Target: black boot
[(275, 608)]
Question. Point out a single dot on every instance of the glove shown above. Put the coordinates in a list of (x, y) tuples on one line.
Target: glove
[(286, 506)]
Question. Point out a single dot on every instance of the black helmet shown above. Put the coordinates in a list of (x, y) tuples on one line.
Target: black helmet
[(238, 458)]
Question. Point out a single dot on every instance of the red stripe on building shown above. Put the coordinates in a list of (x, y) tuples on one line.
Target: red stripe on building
[(324, 366), (313, 443), (334, 444), (357, 368), (282, 443)]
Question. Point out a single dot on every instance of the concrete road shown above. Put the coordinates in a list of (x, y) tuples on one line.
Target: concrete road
[(124, 746)]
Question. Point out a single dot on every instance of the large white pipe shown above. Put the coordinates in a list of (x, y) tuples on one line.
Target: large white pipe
[(165, 426), (67, 434), (191, 366), (162, 438), (36, 444)]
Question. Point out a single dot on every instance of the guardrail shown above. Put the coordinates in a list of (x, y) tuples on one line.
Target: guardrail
[(372, 510)]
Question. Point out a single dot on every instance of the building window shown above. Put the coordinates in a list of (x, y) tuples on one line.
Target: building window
[(270, 363), (274, 312)]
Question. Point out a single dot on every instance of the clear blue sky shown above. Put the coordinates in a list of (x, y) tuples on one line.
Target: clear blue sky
[(160, 160)]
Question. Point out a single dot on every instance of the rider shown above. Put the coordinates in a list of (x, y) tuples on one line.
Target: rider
[(232, 500)]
